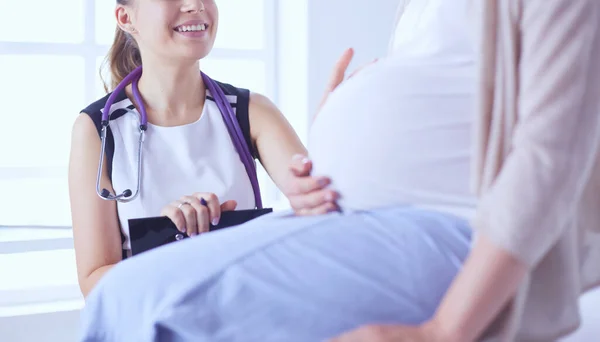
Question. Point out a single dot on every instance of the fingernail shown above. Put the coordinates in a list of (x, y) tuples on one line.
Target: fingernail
[(298, 157), (305, 160), (329, 197), (215, 221), (183, 230), (203, 202), (323, 181)]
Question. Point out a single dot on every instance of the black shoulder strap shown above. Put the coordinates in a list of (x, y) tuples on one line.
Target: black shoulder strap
[(242, 108)]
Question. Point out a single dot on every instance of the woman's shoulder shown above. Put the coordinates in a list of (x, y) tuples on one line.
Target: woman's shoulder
[(95, 110)]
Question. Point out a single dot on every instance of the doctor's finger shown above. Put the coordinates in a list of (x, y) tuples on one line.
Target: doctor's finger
[(303, 185), (198, 208), (189, 213), (314, 199), (203, 220), (176, 216), (211, 202), (320, 210), (301, 165)]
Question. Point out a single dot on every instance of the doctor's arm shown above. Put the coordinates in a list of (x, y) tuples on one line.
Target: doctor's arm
[(524, 213), (96, 231), (277, 143), (284, 158)]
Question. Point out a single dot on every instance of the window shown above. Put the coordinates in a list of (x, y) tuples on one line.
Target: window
[(41, 65)]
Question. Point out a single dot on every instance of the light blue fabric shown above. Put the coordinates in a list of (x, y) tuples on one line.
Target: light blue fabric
[(282, 278)]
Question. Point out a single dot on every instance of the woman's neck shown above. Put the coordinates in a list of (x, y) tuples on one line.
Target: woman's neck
[(172, 94)]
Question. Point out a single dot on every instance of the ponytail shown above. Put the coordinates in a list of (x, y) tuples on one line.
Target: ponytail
[(123, 57)]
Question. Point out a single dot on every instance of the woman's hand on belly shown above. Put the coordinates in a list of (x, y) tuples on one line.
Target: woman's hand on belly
[(309, 195), (193, 214), (339, 75)]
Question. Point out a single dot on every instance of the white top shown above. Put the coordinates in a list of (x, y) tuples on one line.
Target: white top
[(433, 28), (399, 133), (177, 161)]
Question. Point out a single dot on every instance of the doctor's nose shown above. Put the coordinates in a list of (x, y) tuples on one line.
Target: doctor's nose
[(193, 6)]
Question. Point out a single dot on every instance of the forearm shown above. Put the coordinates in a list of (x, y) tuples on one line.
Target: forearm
[(277, 160), (489, 279), (88, 283), (275, 139)]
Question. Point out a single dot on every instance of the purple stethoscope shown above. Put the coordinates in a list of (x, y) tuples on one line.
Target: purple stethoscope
[(228, 116)]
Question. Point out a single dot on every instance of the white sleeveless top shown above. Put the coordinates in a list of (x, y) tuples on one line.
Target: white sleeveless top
[(399, 131), (177, 161)]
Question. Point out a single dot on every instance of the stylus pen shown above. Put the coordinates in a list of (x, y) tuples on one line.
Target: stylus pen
[(204, 203)]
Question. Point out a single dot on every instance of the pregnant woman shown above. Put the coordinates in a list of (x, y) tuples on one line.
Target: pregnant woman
[(395, 141)]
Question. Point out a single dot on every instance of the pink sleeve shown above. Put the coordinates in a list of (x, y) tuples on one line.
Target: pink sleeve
[(556, 139)]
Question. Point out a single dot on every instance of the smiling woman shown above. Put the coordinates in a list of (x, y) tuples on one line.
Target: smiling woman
[(67, 60), (197, 139), (62, 62)]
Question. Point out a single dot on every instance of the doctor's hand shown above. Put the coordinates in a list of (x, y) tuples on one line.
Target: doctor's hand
[(193, 214), (309, 195)]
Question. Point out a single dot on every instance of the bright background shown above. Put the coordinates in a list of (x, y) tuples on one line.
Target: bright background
[(50, 52)]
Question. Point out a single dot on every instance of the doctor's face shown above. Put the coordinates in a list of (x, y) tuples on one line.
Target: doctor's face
[(174, 29)]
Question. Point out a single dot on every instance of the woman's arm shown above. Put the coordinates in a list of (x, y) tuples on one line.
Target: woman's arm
[(526, 211), (489, 279), (277, 145), (275, 139), (96, 229)]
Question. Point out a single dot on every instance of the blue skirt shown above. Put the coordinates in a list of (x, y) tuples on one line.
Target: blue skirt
[(283, 278)]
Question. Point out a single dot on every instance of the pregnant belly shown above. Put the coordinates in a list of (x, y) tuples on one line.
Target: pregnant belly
[(397, 134)]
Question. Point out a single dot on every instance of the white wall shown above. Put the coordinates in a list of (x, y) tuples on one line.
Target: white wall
[(336, 25), (313, 35)]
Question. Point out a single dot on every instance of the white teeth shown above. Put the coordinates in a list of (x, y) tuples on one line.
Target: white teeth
[(199, 27)]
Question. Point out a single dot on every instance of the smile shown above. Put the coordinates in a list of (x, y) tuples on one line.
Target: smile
[(191, 28)]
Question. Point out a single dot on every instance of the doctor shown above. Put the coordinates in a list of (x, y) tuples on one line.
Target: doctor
[(191, 170)]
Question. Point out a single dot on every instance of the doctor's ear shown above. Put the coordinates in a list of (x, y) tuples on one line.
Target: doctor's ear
[(124, 19)]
